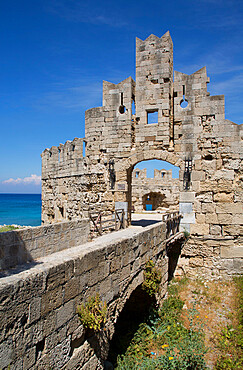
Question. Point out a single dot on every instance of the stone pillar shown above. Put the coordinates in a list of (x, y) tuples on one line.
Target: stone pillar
[(186, 209)]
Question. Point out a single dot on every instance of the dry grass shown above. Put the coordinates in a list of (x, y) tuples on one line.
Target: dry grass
[(216, 304)]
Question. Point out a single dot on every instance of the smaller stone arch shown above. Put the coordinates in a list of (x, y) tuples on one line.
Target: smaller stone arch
[(155, 199)]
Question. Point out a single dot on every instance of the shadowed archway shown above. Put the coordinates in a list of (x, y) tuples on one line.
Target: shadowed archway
[(135, 311)]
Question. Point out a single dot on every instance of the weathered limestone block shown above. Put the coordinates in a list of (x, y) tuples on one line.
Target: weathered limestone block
[(196, 262), (231, 252), (199, 229), (233, 229), (223, 197), (215, 229)]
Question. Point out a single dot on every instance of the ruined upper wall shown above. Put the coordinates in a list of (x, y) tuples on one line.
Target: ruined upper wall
[(154, 87), (123, 123)]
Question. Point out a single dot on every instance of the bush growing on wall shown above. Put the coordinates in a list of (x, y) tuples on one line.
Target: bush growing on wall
[(93, 313), (152, 278)]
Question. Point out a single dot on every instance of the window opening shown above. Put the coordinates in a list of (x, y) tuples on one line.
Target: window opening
[(133, 105), (84, 148), (152, 117), (136, 174), (184, 102), (122, 108)]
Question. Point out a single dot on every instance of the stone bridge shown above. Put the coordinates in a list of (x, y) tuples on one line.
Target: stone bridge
[(40, 328)]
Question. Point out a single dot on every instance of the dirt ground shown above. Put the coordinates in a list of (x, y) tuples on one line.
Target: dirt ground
[(216, 304)]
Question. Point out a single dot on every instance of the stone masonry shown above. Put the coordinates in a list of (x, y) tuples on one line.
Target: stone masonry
[(39, 325), (189, 130), (27, 245)]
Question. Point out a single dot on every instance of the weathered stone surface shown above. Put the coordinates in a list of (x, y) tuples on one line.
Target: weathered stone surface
[(43, 330), (21, 246), (118, 138), (231, 252)]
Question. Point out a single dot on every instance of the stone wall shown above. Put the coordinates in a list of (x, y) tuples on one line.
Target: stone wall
[(39, 325), (71, 186), (162, 191), (190, 128), (211, 257), (29, 244)]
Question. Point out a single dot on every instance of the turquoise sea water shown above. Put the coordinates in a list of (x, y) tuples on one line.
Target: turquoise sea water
[(20, 209)]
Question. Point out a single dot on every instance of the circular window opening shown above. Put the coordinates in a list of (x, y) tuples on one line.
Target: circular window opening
[(184, 103), (122, 109)]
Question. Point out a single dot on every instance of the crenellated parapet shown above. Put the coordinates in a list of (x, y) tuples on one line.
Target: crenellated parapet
[(157, 117), (63, 159)]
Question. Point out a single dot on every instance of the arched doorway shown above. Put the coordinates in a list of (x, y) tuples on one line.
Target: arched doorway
[(153, 201), (153, 186), (124, 174)]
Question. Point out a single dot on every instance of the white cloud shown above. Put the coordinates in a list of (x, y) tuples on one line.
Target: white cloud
[(32, 179)]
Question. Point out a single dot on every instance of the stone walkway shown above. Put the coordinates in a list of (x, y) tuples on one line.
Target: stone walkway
[(145, 219)]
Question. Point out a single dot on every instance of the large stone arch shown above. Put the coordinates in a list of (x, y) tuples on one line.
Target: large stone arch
[(124, 168)]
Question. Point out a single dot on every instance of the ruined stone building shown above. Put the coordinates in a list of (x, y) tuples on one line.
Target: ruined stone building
[(160, 193), (165, 115)]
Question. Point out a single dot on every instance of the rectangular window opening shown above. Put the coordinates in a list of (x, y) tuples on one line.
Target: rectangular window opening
[(152, 116)]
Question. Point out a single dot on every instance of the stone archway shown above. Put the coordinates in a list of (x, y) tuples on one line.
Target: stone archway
[(124, 168)]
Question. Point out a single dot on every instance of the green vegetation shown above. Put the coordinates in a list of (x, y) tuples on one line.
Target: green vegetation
[(186, 234), (7, 228), (230, 339), (93, 313), (152, 279), (169, 340)]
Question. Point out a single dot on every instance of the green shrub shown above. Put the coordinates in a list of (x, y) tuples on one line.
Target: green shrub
[(179, 347), (93, 313), (152, 279), (186, 234), (5, 228)]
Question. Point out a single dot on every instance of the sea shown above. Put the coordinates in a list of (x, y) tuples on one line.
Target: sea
[(20, 209)]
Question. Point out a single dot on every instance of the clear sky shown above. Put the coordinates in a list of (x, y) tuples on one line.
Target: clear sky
[(56, 53)]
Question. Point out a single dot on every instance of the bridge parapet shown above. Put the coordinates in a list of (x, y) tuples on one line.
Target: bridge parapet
[(41, 301), (172, 221)]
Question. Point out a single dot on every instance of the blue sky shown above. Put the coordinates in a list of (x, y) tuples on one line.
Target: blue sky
[(56, 53)]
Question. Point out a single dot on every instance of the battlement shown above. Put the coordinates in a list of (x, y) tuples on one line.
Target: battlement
[(65, 157), (159, 175), (157, 117)]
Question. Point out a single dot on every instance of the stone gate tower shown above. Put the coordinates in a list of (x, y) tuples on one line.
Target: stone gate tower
[(175, 120)]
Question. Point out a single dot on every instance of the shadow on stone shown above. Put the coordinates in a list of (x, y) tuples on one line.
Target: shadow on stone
[(135, 311), (173, 252), (144, 222)]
